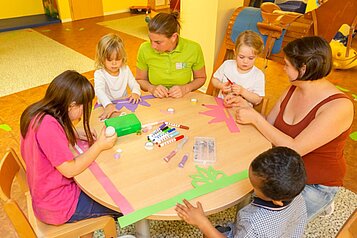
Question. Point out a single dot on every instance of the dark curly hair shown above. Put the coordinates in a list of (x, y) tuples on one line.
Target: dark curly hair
[(281, 171)]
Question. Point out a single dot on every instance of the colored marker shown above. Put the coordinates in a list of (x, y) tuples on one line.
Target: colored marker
[(167, 136), (183, 161), (171, 140), (179, 147), (172, 154), (177, 125)]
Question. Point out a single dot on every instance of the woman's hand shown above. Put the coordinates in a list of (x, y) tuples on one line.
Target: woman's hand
[(246, 115), (178, 91), (106, 142), (159, 91), (134, 98), (190, 214), (108, 111)]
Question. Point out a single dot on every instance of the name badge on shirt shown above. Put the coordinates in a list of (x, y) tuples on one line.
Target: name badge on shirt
[(181, 65)]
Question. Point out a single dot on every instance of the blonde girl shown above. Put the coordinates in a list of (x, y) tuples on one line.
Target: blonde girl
[(113, 75), (239, 77)]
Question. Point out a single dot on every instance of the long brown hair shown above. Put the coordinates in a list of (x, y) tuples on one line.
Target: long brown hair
[(66, 88)]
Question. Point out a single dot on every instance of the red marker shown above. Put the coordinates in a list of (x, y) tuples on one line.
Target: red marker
[(171, 140)]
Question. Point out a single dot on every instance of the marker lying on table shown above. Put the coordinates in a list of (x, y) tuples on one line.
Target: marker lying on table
[(171, 140), (179, 147), (183, 161), (176, 125)]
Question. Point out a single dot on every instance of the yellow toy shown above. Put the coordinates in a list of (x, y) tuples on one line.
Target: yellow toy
[(340, 60)]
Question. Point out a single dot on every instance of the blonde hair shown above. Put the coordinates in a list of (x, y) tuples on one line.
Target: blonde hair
[(106, 46), (251, 39)]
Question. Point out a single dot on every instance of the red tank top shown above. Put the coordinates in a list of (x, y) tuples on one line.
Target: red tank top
[(325, 165)]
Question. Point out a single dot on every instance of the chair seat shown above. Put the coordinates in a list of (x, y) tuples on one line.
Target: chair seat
[(66, 230)]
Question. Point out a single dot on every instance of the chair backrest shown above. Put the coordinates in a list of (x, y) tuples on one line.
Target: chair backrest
[(12, 166), (262, 106)]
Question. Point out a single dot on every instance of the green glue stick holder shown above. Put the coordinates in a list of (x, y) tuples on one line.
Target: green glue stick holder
[(124, 125)]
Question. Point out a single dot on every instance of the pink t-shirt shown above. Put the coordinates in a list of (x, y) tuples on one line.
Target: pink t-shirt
[(54, 197)]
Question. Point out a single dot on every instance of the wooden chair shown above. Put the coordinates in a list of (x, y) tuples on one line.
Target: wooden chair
[(349, 229), (11, 166)]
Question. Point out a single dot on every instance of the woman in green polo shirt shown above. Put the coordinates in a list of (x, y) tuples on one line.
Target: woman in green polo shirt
[(166, 64)]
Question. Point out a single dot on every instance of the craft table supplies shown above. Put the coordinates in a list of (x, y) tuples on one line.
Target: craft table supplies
[(204, 150), (176, 125), (148, 126), (183, 161), (171, 140), (174, 152), (117, 153)]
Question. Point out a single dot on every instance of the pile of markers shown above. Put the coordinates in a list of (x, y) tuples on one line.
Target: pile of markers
[(165, 135)]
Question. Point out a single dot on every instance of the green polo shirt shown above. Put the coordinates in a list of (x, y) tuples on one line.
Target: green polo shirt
[(171, 68)]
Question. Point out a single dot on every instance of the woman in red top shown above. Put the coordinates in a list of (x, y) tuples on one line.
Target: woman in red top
[(312, 117)]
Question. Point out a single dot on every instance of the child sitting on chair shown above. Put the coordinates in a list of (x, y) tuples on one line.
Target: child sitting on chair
[(113, 75), (240, 77), (277, 210)]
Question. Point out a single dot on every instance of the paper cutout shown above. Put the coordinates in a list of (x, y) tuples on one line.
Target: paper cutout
[(120, 103), (342, 89), (208, 187), (219, 113), (5, 127), (123, 204), (353, 135), (205, 176)]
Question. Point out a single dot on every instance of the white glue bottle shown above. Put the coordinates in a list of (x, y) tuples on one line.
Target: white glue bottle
[(109, 131)]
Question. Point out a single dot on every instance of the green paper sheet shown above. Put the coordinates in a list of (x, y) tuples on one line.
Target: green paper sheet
[(190, 194), (5, 127), (353, 135), (342, 89)]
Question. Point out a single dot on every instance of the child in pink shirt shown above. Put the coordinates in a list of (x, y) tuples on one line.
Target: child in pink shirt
[(48, 132)]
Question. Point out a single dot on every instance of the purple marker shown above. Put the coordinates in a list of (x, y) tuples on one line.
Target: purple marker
[(183, 161)]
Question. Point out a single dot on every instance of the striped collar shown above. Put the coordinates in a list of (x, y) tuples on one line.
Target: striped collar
[(269, 205)]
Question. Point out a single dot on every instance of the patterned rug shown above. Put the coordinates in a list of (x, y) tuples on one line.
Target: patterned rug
[(21, 53), (327, 227), (135, 26)]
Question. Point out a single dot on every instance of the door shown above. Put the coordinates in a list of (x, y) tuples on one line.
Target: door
[(82, 9)]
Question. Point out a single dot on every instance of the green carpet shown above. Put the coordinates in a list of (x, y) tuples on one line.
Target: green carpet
[(135, 26), (23, 52)]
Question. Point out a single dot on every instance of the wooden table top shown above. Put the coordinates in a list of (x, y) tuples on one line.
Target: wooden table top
[(144, 178)]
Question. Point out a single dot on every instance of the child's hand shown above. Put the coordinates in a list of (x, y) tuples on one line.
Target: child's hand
[(104, 142), (108, 111), (190, 214), (178, 91), (237, 90), (134, 98), (160, 91), (234, 101), (226, 88)]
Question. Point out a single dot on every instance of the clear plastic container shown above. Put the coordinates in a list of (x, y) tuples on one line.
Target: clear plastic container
[(204, 150)]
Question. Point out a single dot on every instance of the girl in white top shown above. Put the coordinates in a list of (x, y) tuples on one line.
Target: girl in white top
[(240, 77), (112, 75)]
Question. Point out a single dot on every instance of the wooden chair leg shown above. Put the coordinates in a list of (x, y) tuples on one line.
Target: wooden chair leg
[(110, 229)]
